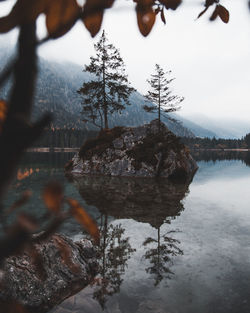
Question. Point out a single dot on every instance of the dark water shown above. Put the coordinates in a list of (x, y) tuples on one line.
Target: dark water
[(169, 248)]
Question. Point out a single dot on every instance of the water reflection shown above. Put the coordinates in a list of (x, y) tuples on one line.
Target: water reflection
[(155, 202), (113, 254), (211, 276), (208, 155), (163, 247), (142, 199)]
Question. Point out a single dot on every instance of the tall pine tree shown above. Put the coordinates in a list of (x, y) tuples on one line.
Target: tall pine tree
[(160, 96), (109, 91)]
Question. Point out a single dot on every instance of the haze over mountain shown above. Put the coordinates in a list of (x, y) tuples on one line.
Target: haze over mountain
[(56, 93), (224, 128)]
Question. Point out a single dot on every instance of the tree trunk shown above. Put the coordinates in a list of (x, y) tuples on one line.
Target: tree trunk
[(159, 107), (105, 108)]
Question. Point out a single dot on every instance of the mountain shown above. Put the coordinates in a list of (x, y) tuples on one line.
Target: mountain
[(196, 129), (56, 88), (233, 128), (56, 92)]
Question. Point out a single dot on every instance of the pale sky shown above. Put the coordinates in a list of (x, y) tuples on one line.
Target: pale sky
[(210, 61)]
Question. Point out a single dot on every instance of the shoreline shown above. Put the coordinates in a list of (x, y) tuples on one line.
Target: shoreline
[(56, 149), (225, 150)]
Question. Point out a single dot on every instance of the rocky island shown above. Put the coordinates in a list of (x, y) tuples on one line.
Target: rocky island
[(150, 150)]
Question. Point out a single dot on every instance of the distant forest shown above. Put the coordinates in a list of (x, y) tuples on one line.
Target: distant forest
[(64, 138), (74, 138), (216, 143)]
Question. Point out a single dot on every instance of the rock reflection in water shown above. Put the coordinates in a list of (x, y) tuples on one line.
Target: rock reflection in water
[(145, 200), (151, 201)]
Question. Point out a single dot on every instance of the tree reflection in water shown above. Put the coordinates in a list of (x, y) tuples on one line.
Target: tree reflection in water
[(159, 256), (146, 200), (113, 253)]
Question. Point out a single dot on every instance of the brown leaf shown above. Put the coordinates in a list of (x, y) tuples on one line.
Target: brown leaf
[(93, 14), (23, 174), (3, 112), (208, 3), (24, 11), (108, 3), (223, 13), (214, 14), (53, 196), (61, 15), (93, 22), (163, 17), (24, 199), (171, 4), (157, 10), (202, 12), (83, 218), (145, 19)]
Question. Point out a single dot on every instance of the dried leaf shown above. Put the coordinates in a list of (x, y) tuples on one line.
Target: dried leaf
[(22, 174), (145, 19), (223, 13), (53, 196), (208, 3), (157, 10), (108, 3), (93, 22), (61, 15), (83, 218), (202, 12), (3, 110), (3, 113), (24, 11), (24, 199), (214, 14), (171, 4), (93, 14), (163, 17)]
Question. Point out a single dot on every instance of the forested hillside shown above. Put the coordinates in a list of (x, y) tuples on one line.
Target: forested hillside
[(56, 93)]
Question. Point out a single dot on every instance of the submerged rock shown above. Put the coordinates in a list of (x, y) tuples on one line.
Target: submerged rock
[(63, 268), (142, 151)]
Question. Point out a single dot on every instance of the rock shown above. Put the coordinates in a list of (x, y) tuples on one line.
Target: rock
[(142, 151), (66, 267)]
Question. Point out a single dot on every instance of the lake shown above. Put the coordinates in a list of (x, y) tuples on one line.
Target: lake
[(172, 248)]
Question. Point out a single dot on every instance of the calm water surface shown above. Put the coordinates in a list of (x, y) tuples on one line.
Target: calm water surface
[(169, 248)]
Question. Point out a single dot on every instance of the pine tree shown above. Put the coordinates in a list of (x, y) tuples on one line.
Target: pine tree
[(109, 91), (160, 96)]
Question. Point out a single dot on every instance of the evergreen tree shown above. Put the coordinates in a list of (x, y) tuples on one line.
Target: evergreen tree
[(109, 91), (247, 139), (160, 96)]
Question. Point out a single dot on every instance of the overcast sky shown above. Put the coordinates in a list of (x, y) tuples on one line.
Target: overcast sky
[(210, 61)]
